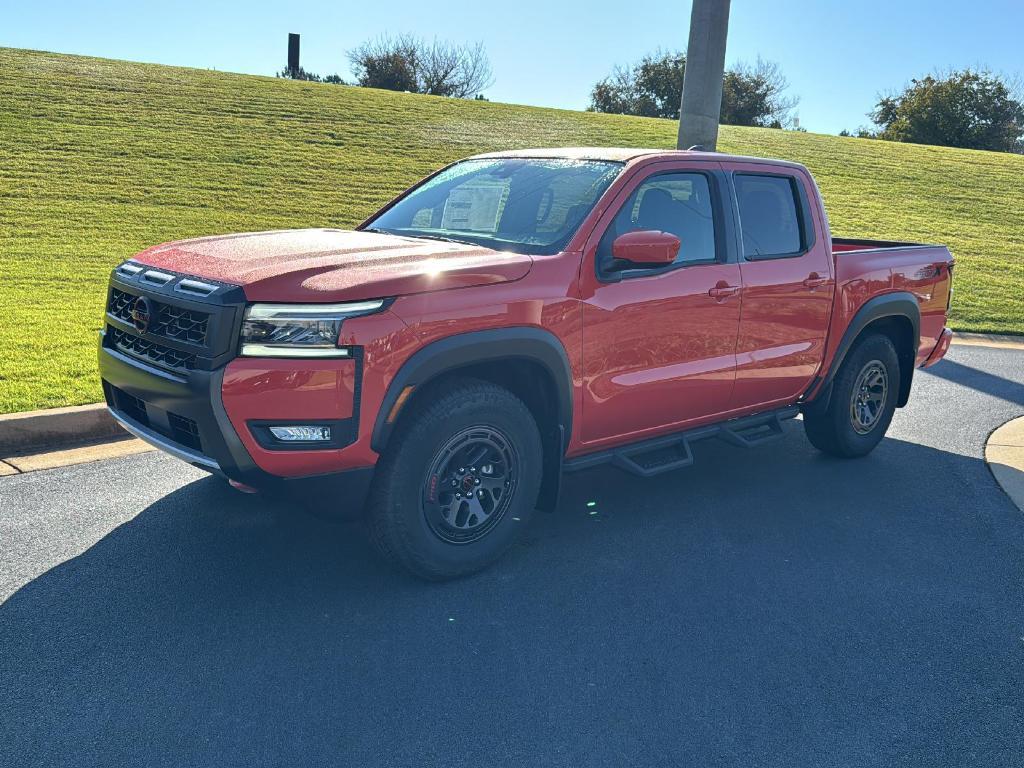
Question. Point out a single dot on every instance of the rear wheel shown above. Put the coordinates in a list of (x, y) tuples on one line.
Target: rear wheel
[(863, 401), (457, 482)]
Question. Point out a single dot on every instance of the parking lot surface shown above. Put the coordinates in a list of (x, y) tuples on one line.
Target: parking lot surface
[(769, 607)]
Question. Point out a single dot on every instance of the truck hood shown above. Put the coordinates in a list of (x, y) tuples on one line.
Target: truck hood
[(335, 265)]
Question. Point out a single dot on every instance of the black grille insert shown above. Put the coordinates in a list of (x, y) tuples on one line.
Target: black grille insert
[(181, 324), (121, 305), (132, 406), (180, 429), (143, 349), (184, 431), (168, 320)]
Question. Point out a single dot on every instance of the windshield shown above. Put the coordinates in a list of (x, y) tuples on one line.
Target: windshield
[(524, 205)]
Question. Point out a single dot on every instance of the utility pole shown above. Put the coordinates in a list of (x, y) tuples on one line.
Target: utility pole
[(702, 79), (293, 54)]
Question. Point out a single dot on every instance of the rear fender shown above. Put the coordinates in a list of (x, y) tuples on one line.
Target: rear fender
[(897, 304)]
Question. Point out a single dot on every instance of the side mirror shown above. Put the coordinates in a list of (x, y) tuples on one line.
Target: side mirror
[(646, 248)]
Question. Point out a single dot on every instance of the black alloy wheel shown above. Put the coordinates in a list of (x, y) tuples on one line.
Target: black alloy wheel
[(867, 401), (470, 483), (458, 481)]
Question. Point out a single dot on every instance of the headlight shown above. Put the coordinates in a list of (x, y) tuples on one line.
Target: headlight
[(299, 330)]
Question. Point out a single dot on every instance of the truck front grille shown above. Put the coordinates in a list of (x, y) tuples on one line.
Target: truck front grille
[(181, 324), (169, 321), (150, 351)]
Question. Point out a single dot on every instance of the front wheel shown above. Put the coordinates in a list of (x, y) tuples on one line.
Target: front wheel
[(863, 401), (457, 482)]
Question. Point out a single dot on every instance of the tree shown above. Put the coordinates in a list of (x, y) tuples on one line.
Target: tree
[(301, 74), (751, 95), (387, 64), (649, 88), (974, 110), (408, 63), (755, 95), (861, 133)]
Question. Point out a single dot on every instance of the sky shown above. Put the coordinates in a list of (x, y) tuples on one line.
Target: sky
[(838, 55)]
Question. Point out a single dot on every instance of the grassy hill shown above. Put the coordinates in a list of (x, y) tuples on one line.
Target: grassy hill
[(99, 159)]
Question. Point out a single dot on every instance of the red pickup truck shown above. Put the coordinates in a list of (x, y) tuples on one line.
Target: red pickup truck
[(512, 317)]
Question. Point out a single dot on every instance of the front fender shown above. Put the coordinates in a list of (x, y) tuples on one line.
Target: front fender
[(464, 349)]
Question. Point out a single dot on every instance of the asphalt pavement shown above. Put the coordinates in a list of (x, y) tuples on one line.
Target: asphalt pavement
[(766, 607)]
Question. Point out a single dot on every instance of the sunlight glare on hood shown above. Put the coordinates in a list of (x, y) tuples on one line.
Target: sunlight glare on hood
[(434, 268)]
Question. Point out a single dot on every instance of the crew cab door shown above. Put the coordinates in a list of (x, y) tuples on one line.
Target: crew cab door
[(788, 283), (659, 344)]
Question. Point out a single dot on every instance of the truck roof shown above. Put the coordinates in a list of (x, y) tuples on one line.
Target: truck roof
[(625, 154)]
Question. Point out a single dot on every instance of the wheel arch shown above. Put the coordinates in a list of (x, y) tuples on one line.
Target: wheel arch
[(896, 315), (530, 362)]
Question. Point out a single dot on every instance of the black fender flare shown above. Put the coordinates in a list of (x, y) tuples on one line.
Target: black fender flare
[(895, 304), (460, 350)]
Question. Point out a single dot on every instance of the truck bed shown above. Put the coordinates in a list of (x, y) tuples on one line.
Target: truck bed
[(843, 244), (866, 268)]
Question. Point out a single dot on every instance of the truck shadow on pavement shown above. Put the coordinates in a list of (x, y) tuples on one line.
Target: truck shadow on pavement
[(751, 605), (979, 380)]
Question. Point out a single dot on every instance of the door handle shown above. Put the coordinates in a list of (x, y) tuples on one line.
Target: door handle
[(814, 280), (723, 291)]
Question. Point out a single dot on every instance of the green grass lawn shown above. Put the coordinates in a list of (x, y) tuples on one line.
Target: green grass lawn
[(99, 159)]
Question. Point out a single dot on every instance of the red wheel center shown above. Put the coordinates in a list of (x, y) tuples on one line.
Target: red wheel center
[(467, 484)]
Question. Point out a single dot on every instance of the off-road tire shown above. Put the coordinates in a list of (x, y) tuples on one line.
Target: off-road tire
[(398, 518), (838, 429)]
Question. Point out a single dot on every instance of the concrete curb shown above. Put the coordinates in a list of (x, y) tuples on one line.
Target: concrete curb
[(989, 340), (1004, 452), (25, 432), (66, 457)]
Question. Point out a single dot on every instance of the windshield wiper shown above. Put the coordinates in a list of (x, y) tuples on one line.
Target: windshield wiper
[(419, 235), (442, 238)]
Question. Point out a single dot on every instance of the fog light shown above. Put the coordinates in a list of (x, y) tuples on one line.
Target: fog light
[(301, 434)]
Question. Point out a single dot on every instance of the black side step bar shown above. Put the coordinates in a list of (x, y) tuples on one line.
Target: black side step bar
[(663, 454)]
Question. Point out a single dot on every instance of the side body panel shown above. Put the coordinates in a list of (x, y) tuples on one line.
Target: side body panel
[(787, 306), (543, 301), (658, 349), (922, 271)]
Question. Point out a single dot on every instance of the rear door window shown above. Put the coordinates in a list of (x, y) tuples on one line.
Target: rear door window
[(769, 216)]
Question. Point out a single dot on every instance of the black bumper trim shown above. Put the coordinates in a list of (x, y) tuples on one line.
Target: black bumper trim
[(159, 441), (166, 396), (352, 485), (197, 396)]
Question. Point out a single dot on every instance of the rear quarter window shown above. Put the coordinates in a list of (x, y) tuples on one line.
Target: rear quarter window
[(770, 220)]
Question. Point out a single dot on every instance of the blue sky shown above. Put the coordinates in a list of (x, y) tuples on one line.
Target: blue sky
[(838, 55)]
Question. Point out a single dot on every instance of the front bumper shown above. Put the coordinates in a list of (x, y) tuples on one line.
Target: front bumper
[(184, 416), (165, 444)]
